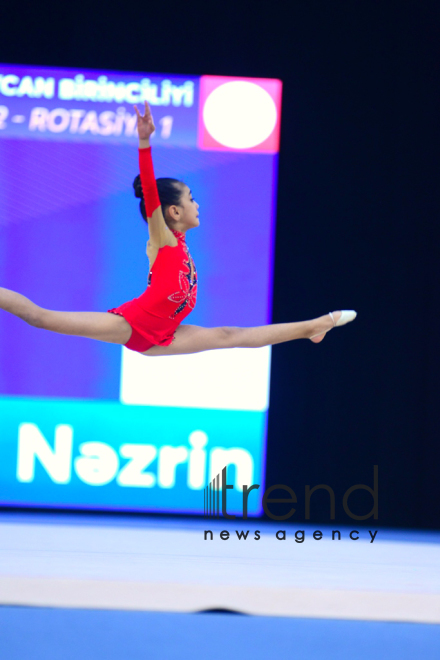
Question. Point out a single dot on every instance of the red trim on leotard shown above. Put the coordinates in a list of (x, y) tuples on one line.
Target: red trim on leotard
[(148, 181)]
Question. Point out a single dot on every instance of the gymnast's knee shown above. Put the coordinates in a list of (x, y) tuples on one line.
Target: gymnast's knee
[(37, 317), (229, 336)]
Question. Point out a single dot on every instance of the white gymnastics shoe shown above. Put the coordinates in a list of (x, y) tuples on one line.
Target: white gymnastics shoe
[(347, 315)]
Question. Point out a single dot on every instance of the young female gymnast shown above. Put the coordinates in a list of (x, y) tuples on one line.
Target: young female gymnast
[(151, 324)]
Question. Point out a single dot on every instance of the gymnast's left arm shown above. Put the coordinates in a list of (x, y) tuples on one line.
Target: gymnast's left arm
[(160, 234)]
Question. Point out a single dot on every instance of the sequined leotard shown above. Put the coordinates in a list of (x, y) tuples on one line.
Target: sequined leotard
[(170, 296)]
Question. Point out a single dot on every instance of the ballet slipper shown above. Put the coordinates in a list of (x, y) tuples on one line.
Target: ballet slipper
[(347, 315)]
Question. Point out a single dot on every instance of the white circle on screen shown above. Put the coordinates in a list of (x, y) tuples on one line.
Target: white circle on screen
[(239, 114)]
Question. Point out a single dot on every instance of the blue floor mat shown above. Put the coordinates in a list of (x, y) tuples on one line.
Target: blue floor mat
[(28, 633)]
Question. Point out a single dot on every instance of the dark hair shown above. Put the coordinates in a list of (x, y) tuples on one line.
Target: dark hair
[(170, 193)]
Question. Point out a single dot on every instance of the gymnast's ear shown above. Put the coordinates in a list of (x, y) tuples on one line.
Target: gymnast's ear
[(173, 213)]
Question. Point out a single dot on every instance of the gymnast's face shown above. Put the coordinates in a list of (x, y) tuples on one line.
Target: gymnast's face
[(189, 216)]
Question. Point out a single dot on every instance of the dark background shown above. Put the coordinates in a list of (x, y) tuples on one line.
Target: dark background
[(357, 215)]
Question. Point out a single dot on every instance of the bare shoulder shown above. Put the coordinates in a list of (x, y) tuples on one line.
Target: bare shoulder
[(171, 240), (166, 238), (153, 247), (160, 233)]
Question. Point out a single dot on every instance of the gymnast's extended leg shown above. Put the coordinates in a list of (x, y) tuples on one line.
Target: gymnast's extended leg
[(194, 339), (103, 326)]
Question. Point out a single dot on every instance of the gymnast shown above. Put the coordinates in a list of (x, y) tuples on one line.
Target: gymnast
[(152, 323)]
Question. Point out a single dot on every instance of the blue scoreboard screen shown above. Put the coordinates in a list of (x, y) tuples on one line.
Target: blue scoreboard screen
[(85, 424)]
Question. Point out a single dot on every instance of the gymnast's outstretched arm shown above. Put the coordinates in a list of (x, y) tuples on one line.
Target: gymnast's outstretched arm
[(160, 234)]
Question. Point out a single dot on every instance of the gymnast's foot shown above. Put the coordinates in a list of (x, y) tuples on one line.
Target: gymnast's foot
[(325, 323)]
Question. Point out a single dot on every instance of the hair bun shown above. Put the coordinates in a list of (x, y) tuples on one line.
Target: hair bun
[(137, 186)]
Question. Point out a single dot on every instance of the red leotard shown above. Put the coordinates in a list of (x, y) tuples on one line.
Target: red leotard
[(170, 295)]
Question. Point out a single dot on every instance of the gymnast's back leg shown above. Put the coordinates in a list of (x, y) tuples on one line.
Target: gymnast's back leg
[(102, 326)]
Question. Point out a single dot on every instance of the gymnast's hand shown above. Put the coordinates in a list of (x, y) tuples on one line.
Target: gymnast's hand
[(145, 123)]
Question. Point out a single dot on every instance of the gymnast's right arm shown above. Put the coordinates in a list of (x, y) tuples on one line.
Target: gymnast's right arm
[(160, 234)]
